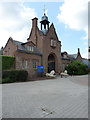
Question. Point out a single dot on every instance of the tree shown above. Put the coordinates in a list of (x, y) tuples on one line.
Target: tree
[(77, 68)]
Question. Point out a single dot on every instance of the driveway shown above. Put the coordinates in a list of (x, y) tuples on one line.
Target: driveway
[(54, 98)]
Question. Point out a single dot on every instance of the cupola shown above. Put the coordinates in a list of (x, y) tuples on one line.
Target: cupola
[(44, 22)]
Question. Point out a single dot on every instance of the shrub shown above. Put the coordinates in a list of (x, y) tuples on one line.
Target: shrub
[(77, 68), (6, 80), (14, 76), (7, 62)]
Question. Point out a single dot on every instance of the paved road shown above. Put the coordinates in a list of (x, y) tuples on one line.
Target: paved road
[(56, 98)]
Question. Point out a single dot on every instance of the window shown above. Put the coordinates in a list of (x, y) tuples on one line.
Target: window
[(24, 64), (35, 63), (53, 43), (30, 48)]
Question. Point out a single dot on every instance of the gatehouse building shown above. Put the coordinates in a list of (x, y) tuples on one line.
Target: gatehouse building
[(42, 47)]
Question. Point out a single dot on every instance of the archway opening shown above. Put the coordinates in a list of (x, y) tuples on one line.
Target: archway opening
[(51, 63)]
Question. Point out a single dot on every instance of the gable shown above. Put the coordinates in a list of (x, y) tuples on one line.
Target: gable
[(52, 32), (9, 48), (9, 40)]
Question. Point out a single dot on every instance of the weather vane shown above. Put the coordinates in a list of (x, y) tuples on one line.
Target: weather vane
[(44, 9)]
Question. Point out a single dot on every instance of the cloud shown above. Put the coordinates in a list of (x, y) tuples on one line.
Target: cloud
[(15, 21), (74, 14)]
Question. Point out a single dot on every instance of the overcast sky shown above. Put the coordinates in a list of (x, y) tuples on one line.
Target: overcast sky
[(70, 18)]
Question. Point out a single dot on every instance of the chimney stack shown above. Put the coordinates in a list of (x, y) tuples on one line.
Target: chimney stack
[(78, 51), (34, 22)]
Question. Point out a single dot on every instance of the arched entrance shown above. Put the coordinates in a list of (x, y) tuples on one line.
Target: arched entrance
[(51, 62)]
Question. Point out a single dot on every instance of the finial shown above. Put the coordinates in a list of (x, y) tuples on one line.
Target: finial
[(44, 10)]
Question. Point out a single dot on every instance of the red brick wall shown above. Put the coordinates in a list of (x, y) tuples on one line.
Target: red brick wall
[(43, 43), (29, 57), (47, 50), (10, 49)]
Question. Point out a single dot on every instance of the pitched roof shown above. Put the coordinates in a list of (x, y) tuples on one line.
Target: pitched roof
[(19, 44), (65, 58), (72, 56), (22, 48), (69, 56)]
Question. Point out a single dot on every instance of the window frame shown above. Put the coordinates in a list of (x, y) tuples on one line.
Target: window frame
[(24, 64), (53, 43), (35, 63), (30, 48)]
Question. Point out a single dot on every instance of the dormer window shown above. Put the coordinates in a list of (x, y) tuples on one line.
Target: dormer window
[(30, 48), (53, 43)]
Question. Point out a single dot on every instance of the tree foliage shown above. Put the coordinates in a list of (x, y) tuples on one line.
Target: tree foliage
[(77, 68)]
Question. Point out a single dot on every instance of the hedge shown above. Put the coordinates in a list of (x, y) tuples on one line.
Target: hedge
[(7, 62), (9, 76)]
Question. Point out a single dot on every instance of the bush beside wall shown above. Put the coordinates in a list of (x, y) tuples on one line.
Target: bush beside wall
[(7, 62), (9, 76)]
